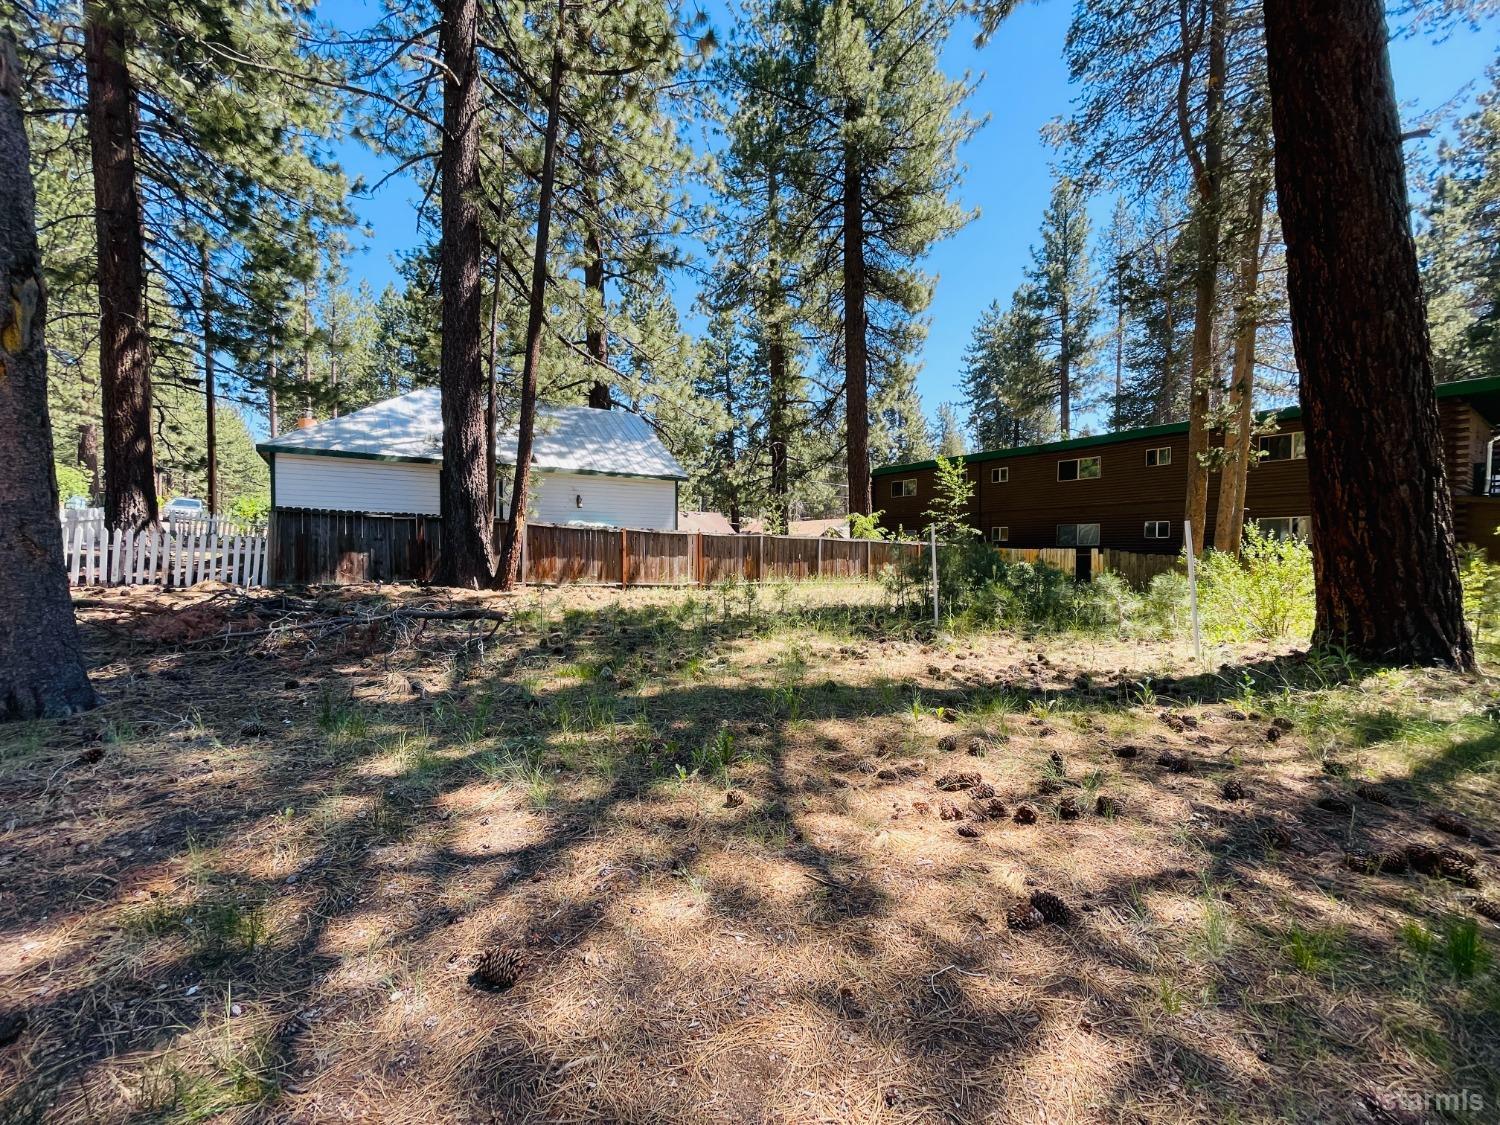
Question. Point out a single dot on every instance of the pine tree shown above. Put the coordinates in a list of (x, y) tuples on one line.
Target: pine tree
[(41, 666), (949, 435), (1064, 298), (1007, 381), (886, 124), (1460, 247)]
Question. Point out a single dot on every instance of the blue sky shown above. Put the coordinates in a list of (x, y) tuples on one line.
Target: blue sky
[(1009, 178)]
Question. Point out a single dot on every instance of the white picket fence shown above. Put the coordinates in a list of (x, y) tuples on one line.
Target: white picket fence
[(176, 554)]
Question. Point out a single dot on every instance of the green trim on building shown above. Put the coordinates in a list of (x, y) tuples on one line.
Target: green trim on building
[(1484, 393)]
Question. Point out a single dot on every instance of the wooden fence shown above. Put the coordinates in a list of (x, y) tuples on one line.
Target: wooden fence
[(1064, 559), (176, 554), (1137, 569), (343, 547)]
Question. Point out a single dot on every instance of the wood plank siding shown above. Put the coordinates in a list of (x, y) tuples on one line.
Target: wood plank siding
[(1024, 492)]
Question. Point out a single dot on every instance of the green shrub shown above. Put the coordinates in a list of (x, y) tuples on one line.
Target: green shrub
[(1164, 606), (1481, 580), (1265, 595)]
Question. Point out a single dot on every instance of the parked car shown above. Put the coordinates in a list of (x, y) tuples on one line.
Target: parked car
[(185, 508), (76, 503)]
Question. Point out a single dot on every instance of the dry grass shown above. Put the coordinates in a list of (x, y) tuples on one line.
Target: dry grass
[(265, 899)]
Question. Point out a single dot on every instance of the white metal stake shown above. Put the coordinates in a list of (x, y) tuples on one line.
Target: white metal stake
[(932, 540), (1187, 531)]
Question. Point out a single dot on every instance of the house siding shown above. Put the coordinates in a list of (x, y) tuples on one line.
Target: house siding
[(1033, 502), (637, 502), (353, 484)]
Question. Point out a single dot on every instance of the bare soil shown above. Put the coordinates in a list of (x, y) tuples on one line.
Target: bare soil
[(736, 856)]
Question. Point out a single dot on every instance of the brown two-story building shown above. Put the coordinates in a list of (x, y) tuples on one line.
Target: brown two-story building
[(1126, 490)]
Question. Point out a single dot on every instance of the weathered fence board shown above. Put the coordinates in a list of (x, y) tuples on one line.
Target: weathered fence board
[(177, 553), (1137, 569)]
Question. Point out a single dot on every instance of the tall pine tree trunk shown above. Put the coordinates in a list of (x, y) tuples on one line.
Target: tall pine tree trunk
[(124, 337), (492, 390), (467, 557), (778, 420), (856, 353), (1239, 442), (510, 562), (210, 392), (1065, 367), (273, 420), (1208, 182), (1382, 517), (41, 665), (596, 333)]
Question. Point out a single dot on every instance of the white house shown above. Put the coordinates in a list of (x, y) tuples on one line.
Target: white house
[(589, 467)]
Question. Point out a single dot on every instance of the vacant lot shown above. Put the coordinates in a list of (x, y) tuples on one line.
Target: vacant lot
[(749, 855)]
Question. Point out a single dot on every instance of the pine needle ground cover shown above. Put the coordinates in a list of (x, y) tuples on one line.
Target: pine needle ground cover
[(737, 855)]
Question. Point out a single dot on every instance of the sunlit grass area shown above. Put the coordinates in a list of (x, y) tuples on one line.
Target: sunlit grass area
[(745, 854)]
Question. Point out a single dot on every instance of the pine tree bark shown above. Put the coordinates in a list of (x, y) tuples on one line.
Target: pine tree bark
[(1208, 182), (1229, 525), (856, 351), (1382, 516), (778, 420), (210, 392), (467, 557), (510, 560), (41, 663), (596, 333), (124, 337)]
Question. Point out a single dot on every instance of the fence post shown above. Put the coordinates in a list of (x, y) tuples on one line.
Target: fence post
[(698, 570), (820, 556), (624, 559), (760, 559), (1187, 532), (868, 567), (932, 550)]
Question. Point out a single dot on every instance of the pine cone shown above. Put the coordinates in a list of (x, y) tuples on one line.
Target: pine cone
[(1106, 805), (1377, 863), (949, 811), (991, 808), (1067, 809), (1333, 803), (968, 831), (733, 799), (1023, 916), (947, 744), (1057, 762), (1052, 908), (1488, 908), (1234, 791), (1025, 814), (1373, 794), (1447, 822), (1445, 863), (952, 782), (497, 969), (1126, 751), (1175, 763), (1047, 787)]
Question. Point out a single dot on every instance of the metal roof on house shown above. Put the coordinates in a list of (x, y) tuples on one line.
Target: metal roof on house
[(569, 439), (1482, 394)]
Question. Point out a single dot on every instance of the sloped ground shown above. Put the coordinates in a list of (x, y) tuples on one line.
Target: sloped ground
[(757, 856)]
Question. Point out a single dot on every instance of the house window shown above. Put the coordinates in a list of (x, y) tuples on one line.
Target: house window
[(1283, 527), (999, 535), (1158, 529), (1080, 468), (904, 487), (1000, 475), (1282, 447), (1078, 535), (1161, 455)]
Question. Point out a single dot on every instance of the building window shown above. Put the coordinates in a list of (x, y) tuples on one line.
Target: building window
[(1080, 468), (1158, 529), (1161, 455), (1282, 447), (1000, 475), (999, 535), (904, 487), (1078, 535), (1283, 527)]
